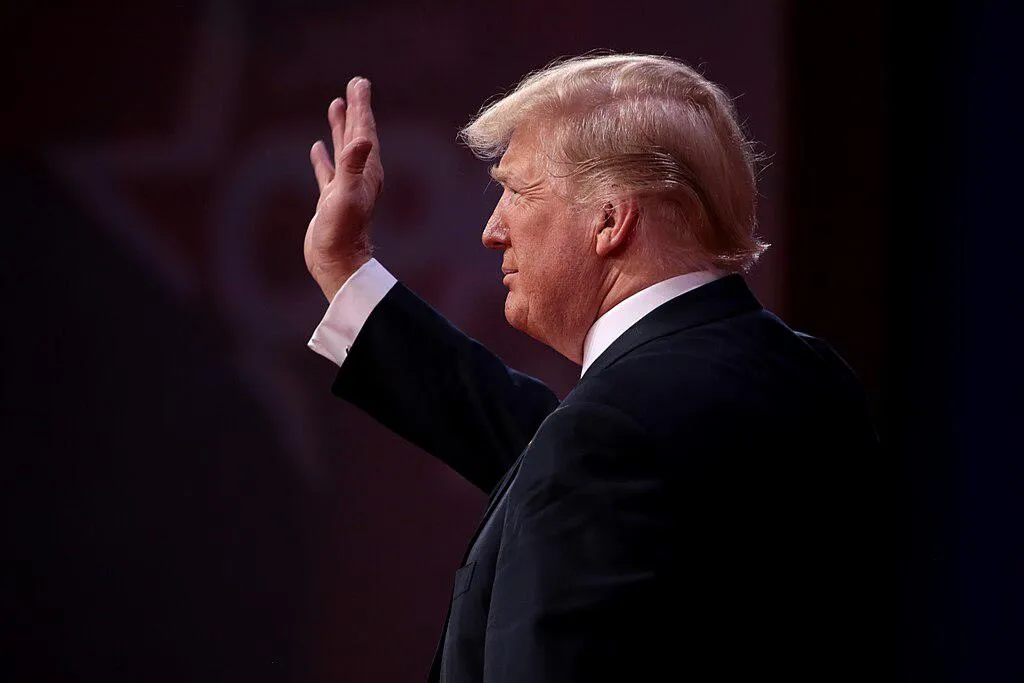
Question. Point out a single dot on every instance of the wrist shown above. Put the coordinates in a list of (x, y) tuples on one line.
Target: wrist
[(330, 277)]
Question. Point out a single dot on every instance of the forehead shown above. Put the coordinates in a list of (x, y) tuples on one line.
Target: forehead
[(521, 159)]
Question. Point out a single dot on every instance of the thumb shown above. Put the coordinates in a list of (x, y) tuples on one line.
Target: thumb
[(354, 156)]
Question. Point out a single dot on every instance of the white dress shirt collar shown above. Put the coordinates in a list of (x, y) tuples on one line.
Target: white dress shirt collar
[(630, 310)]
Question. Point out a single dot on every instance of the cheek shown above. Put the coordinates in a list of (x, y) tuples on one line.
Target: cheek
[(565, 256), (547, 249)]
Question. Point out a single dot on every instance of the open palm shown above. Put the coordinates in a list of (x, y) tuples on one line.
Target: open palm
[(338, 237)]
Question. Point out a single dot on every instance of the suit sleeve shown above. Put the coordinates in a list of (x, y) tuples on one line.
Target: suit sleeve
[(581, 576), (425, 380)]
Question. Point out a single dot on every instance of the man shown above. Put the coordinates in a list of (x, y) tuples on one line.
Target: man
[(700, 505)]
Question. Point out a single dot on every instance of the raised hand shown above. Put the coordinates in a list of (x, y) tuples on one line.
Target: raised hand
[(338, 237)]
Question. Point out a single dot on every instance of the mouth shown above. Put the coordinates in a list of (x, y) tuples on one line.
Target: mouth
[(508, 273)]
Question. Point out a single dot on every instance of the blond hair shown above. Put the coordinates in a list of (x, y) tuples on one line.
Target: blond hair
[(642, 124)]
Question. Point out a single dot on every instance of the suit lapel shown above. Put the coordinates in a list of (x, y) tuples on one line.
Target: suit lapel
[(492, 502), (495, 498)]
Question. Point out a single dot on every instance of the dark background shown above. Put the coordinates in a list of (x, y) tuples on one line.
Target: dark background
[(183, 498)]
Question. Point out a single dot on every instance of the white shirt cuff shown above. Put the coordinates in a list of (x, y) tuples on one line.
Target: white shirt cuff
[(349, 309)]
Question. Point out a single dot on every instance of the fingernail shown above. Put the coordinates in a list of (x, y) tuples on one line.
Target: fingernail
[(355, 81)]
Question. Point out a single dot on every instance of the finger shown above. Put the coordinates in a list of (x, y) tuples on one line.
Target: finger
[(336, 115), (322, 167), (350, 97), (354, 156), (361, 122)]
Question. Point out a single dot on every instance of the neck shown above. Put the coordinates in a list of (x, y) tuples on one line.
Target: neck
[(619, 282), (623, 280)]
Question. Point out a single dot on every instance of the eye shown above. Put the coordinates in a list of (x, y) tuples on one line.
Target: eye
[(513, 196)]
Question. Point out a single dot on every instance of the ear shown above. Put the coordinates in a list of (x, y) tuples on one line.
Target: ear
[(618, 224)]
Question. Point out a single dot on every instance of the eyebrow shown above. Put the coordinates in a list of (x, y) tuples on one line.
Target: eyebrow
[(500, 175)]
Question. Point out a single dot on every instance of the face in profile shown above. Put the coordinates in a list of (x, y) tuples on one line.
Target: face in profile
[(547, 264)]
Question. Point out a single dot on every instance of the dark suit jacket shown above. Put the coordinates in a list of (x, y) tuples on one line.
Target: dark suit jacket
[(702, 506)]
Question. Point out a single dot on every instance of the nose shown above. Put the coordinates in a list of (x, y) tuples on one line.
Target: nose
[(495, 235)]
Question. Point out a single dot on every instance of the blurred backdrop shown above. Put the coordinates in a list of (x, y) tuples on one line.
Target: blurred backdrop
[(183, 497)]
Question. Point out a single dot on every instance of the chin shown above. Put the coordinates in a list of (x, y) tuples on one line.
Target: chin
[(517, 315), (514, 313)]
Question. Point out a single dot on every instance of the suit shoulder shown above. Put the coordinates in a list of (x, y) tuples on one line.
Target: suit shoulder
[(701, 383)]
